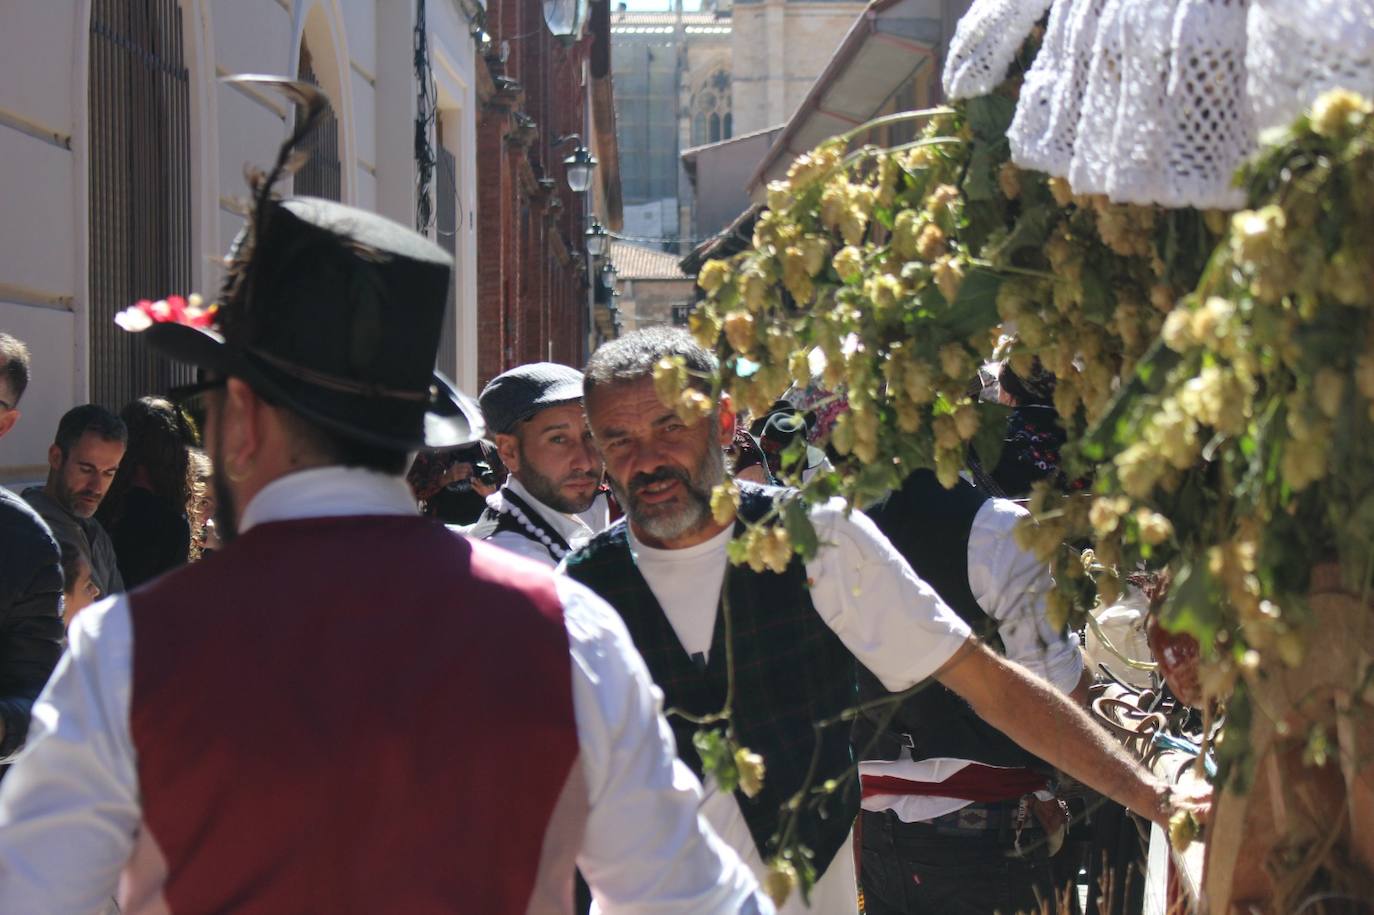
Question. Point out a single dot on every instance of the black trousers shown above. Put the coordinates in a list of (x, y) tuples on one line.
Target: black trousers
[(911, 869)]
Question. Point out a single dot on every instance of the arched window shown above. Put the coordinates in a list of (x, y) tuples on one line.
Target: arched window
[(321, 175), (140, 187), (711, 107)]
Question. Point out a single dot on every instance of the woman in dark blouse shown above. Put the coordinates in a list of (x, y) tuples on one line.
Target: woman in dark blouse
[(145, 510)]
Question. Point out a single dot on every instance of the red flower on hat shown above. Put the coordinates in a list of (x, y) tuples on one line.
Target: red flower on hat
[(143, 314)]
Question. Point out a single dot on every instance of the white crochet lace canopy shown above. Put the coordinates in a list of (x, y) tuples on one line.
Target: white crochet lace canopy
[(1159, 101)]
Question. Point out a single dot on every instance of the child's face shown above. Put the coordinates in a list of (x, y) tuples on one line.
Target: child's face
[(80, 594)]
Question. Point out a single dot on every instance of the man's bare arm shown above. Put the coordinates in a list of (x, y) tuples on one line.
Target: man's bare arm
[(1048, 724)]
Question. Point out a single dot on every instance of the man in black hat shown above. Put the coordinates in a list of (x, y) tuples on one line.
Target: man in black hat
[(534, 414), (350, 708)]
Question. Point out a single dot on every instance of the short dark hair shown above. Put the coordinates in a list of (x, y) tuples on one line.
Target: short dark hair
[(72, 557), (14, 365), (633, 356), (90, 417), (344, 450)]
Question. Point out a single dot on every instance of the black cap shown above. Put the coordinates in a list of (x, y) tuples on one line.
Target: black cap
[(527, 389)]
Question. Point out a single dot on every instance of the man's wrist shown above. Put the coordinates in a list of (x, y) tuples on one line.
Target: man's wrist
[(1161, 806)]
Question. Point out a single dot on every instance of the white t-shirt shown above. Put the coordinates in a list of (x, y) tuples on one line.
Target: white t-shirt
[(863, 589)]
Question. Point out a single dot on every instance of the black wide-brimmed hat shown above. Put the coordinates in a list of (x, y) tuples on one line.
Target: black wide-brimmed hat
[(332, 312)]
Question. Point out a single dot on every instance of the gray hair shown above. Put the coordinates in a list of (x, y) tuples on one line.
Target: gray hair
[(633, 356)]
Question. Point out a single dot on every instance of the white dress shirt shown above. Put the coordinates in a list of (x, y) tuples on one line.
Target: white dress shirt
[(863, 589), (1010, 585), (70, 813), (572, 528)]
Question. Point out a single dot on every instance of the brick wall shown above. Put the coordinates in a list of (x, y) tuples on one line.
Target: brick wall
[(531, 292)]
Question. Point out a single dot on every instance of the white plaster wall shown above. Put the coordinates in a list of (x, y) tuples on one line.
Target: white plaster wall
[(454, 59), (52, 388), (41, 248), (37, 56), (43, 185)]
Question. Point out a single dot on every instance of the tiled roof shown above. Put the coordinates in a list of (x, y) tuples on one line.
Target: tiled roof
[(628, 18), (637, 262)]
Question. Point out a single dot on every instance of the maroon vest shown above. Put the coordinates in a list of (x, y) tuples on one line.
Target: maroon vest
[(366, 714)]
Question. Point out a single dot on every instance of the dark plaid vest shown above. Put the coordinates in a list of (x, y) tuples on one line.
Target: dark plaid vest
[(930, 526), (790, 670)]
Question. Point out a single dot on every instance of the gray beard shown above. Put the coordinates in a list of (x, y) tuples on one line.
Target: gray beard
[(695, 515)]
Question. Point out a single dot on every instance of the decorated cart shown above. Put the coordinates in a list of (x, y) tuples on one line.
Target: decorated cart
[(1159, 215)]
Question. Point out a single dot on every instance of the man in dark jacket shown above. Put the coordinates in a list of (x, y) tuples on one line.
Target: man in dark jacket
[(30, 580), (82, 462)]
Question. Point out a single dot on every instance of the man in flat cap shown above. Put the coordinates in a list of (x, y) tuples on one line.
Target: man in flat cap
[(350, 708), (534, 415)]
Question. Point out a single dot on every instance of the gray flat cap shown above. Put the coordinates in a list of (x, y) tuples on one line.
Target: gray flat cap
[(525, 390)]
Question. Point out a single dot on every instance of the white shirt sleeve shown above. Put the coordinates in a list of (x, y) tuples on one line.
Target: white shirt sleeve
[(1010, 584), (69, 809), (646, 848), (893, 622)]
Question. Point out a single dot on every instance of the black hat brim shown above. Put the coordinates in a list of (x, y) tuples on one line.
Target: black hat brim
[(451, 418)]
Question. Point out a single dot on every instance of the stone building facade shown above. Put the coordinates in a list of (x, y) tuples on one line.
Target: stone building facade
[(778, 48), (653, 289), (690, 79)]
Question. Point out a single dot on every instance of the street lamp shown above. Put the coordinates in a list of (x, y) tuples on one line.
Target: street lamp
[(598, 239), (609, 278), (579, 165)]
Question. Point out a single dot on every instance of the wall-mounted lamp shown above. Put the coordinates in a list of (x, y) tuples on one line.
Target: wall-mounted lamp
[(609, 279), (579, 165), (598, 239)]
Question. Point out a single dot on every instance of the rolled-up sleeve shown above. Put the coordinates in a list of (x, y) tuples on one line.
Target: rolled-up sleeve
[(892, 621), (646, 849), (69, 808)]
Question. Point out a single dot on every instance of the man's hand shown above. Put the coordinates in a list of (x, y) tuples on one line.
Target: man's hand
[(1045, 722)]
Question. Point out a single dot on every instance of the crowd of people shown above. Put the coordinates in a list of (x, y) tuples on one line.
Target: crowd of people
[(410, 685)]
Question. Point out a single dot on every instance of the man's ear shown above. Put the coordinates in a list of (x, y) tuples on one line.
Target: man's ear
[(508, 449), (54, 456), (242, 416), (8, 420), (727, 420)]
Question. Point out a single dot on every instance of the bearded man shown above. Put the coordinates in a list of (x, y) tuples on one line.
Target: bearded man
[(794, 638), (535, 413), (351, 708), (82, 462)]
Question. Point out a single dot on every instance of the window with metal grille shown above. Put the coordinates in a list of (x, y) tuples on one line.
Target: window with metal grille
[(140, 187), (321, 174)]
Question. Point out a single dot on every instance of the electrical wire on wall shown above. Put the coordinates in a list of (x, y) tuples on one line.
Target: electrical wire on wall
[(426, 109)]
